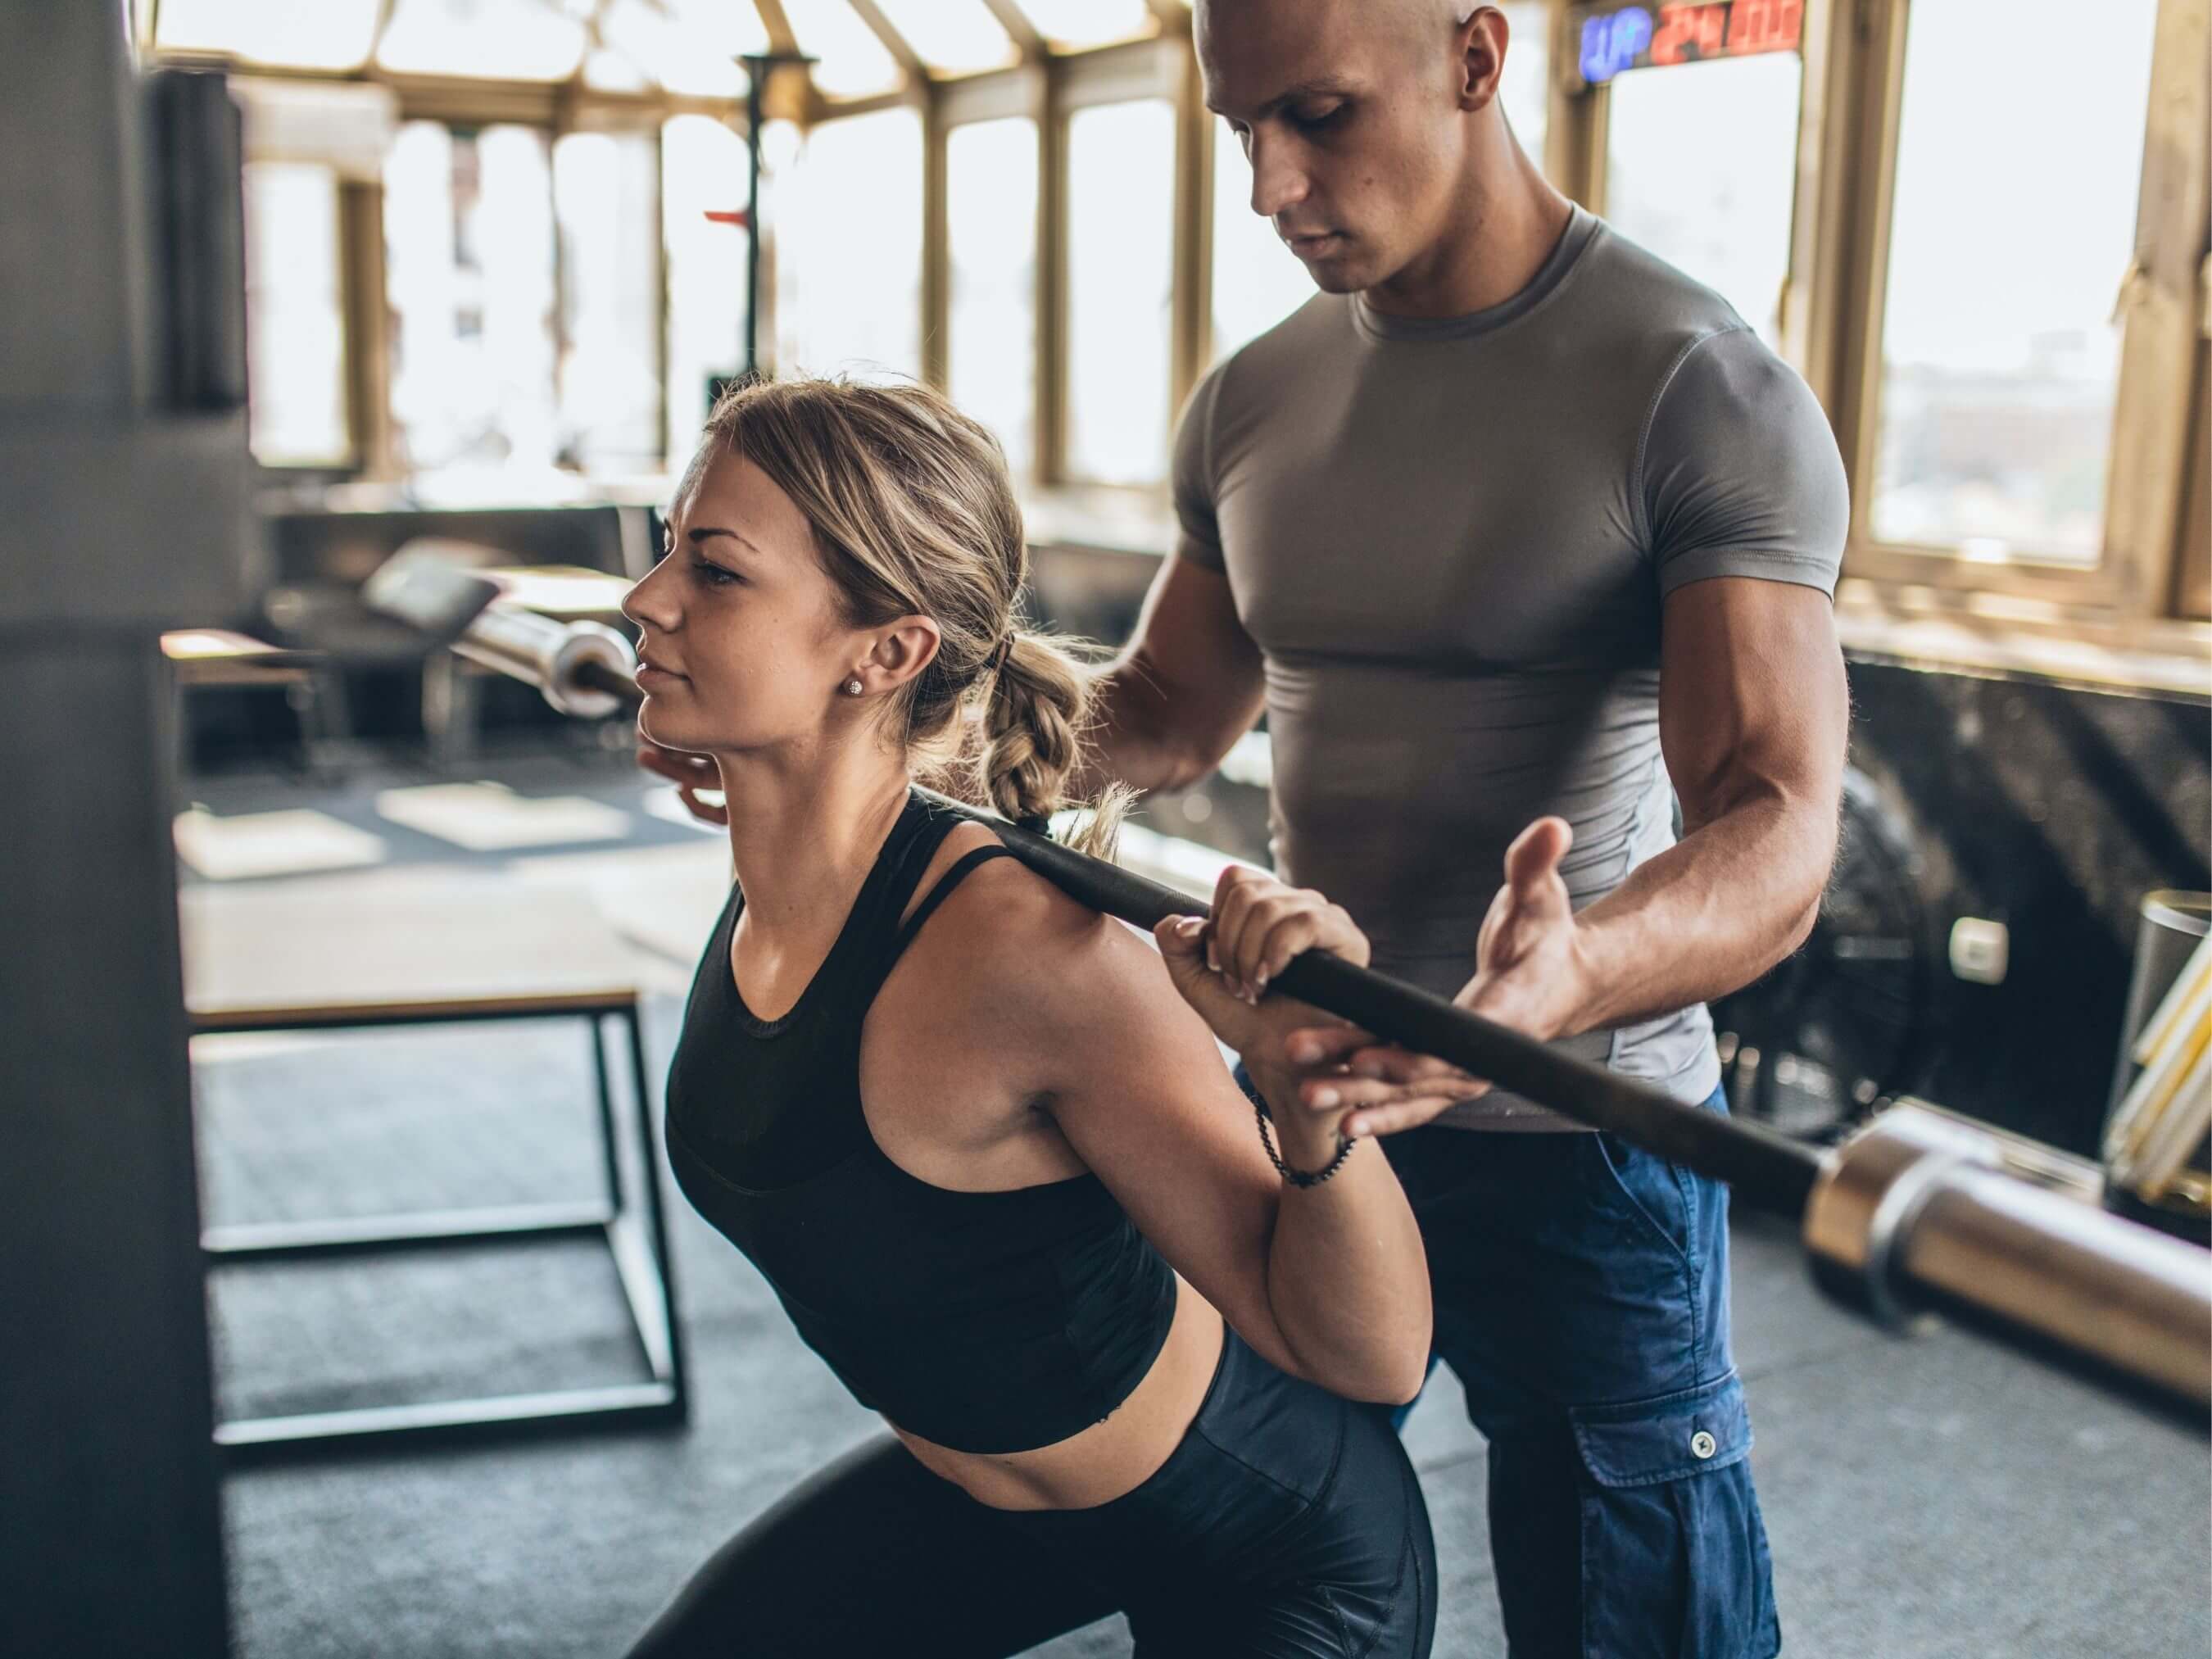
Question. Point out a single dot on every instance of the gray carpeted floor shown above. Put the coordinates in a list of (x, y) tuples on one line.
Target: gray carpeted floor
[(1931, 1497)]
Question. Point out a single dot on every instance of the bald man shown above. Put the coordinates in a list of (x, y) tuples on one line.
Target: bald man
[(1525, 545)]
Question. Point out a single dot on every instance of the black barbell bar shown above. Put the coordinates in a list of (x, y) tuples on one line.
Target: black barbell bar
[(1915, 1210)]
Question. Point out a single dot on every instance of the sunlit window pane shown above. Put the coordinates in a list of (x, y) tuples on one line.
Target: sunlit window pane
[(2014, 214), (607, 209), (294, 316), (1527, 85), (702, 174), (1088, 22), (848, 236), (1257, 281), (957, 35), (992, 205), (606, 70), (854, 63), (1120, 276), (483, 39), (689, 47), (468, 234), (331, 34), (1701, 168)]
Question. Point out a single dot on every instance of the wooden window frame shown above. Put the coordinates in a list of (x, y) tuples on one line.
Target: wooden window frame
[(554, 107), (1853, 55), (2135, 574), (1047, 87), (1159, 69), (2152, 567)]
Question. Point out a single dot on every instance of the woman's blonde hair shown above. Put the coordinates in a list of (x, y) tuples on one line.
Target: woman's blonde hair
[(913, 513)]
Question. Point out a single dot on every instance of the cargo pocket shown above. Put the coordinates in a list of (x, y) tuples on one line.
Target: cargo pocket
[(1674, 1554)]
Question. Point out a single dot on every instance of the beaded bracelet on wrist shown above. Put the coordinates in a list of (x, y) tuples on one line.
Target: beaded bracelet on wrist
[(1300, 1177)]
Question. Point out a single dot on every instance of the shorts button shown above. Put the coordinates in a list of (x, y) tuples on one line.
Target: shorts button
[(1703, 1445)]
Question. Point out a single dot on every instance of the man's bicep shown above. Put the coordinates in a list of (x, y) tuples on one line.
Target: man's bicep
[(1752, 698)]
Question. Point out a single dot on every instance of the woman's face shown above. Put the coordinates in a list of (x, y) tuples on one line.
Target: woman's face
[(741, 642)]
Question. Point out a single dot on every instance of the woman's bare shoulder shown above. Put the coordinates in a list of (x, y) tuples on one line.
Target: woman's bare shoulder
[(1009, 933)]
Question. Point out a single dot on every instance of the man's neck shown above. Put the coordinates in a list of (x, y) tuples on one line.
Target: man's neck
[(1491, 250)]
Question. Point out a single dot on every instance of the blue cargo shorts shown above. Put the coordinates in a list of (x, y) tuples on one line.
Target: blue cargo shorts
[(1581, 1289)]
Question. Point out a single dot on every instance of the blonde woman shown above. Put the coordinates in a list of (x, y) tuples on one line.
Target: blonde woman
[(982, 1146)]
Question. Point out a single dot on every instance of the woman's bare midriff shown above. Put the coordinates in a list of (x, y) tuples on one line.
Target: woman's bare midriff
[(1108, 1459)]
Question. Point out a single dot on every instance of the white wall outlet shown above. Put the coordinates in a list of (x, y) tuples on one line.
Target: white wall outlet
[(1980, 949)]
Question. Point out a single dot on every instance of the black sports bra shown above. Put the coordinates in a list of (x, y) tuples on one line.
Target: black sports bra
[(985, 1322)]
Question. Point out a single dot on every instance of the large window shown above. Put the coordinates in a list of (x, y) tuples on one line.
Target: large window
[(1121, 291), (607, 207), (847, 223), (468, 229), (703, 180), (332, 34), (1526, 85), (960, 36), (482, 39), (849, 60), (1086, 22), (2011, 221), (685, 45), (991, 169), (1701, 168), (295, 349)]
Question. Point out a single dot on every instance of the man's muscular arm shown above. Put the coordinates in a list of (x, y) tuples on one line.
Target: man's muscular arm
[(1753, 713), (1753, 716)]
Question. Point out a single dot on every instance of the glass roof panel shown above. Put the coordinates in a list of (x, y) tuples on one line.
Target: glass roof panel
[(1089, 23), (606, 70), (336, 34), (482, 39), (854, 63), (959, 36), (686, 49), (723, 29)]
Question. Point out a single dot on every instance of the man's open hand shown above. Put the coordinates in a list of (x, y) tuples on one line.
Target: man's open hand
[(1529, 975)]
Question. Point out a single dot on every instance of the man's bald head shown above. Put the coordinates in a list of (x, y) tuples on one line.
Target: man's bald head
[(1409, 31), (1365, 121)]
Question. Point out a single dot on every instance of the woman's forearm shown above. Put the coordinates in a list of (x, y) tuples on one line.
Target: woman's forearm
[(1346, 1275)]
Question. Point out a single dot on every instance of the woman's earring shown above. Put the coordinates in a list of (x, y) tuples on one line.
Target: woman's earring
[(852, 687)]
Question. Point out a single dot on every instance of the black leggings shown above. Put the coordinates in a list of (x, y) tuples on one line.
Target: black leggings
[(1286, 1524)]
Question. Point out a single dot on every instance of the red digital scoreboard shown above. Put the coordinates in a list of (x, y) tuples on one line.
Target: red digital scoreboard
[(1611, 39)]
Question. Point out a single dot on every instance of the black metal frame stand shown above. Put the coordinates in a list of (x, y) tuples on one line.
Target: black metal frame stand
[(634, 1232)]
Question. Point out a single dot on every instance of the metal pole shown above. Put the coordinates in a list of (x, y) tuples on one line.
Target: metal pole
[(758, 67), (757, 71)]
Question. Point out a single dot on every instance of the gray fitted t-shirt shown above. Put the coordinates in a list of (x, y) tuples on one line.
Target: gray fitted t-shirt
[(1451, 540)]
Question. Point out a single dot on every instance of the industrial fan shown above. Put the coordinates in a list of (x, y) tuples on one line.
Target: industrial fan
[(1848, 1020)]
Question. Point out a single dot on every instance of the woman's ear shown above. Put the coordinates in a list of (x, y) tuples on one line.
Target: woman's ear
[(905, 649)]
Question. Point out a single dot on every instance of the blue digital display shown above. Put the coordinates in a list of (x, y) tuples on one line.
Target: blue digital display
[(1614, 39), (1613, 42)]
